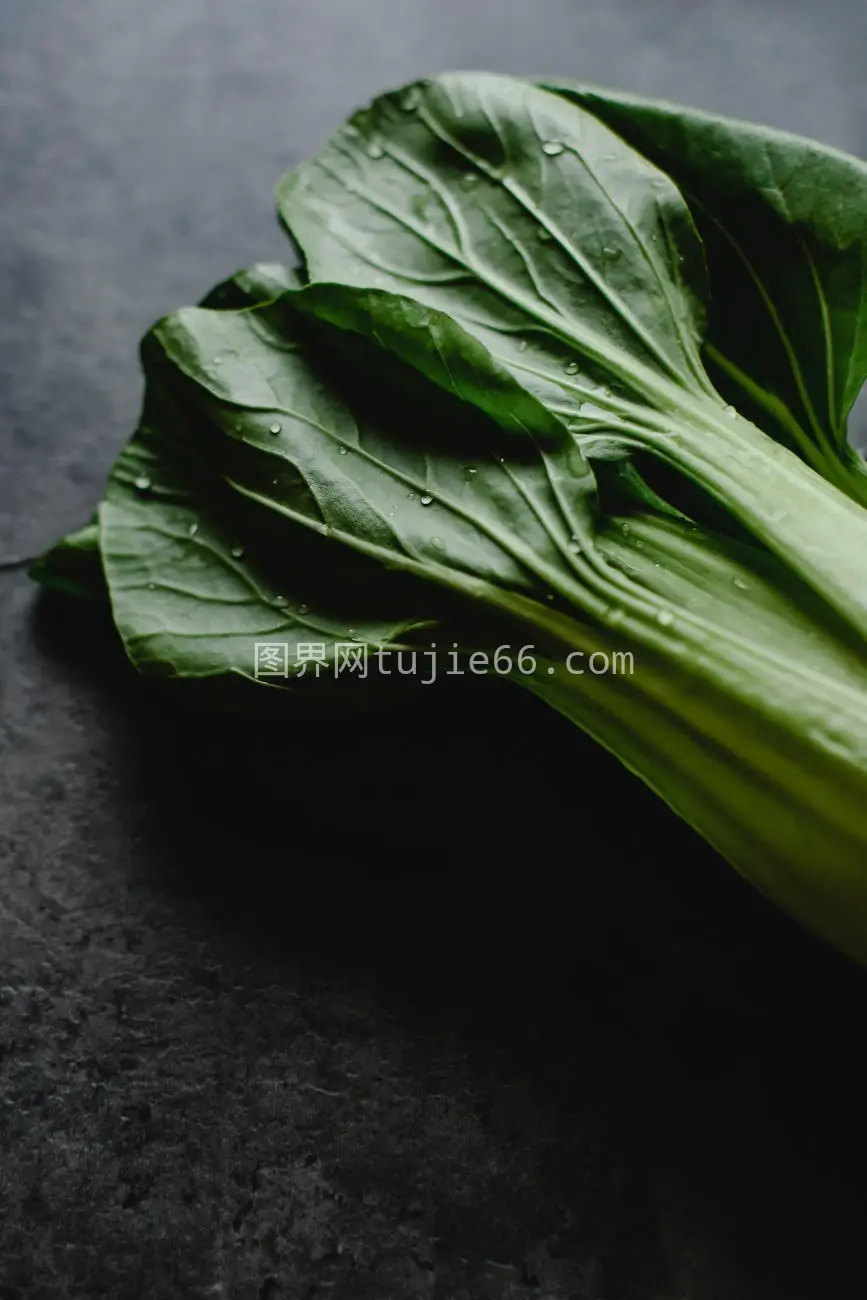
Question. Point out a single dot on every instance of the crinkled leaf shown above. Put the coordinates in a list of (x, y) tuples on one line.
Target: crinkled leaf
[(575, 262), (466, 512), (784, 223), (254, 284), (197, 578), (568, 256)]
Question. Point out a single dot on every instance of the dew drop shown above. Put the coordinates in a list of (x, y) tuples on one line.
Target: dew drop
[(280, 600), (611, 253), (143, 483), (730, 412), (571, 368), (522, 346), (194, 528), (665, 618), (543, 235), (551, 670), (341, 451), (552, 148), (550, 596), (469, 179), (276, 428), (740, 584), (375, 150), (238, 552), (426, 500), (438, 543), (302, 609)]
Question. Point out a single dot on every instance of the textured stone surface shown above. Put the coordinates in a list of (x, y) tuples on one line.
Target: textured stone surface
[(395, 1010)]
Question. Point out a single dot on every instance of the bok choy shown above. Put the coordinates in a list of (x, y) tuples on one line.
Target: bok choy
[(563, 372)]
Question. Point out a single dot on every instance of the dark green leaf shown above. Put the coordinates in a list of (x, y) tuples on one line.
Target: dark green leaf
[(784, 223), (74, 566)]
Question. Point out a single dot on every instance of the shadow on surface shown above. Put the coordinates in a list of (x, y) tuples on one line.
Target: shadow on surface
[(492, 874)]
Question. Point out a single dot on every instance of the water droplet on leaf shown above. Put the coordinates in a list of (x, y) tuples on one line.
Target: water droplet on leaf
[(571, 368), (375, 150), (238, 552), (665, 618), (143, 483), (426, 500), (552, 148), (276, 428), (341, 451), (194, 528)]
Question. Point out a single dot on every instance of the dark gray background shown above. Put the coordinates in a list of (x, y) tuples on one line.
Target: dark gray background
[(381, 1010)]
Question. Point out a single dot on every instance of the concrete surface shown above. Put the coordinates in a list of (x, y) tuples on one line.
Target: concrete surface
[(386, 1012)]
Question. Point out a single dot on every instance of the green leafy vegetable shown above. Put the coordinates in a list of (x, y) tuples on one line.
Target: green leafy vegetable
[(782, 223), (481, 416)]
